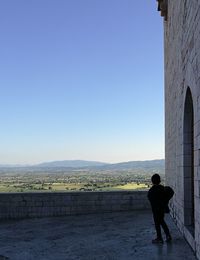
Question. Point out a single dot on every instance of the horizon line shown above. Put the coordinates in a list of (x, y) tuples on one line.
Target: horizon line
[(73, 160)]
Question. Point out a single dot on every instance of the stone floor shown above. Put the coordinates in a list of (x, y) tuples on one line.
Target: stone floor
[(112, 236)]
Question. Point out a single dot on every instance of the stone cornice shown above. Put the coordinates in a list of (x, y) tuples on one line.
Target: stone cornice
[(162, 7)]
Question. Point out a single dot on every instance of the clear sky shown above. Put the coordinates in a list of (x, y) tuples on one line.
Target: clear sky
[(81, 79)]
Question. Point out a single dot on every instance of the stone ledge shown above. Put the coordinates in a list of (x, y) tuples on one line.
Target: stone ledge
[(29, 205)]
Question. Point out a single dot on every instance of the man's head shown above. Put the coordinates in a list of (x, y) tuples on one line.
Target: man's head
[(155, 179)]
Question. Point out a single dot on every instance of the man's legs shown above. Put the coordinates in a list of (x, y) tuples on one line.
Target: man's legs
[(166, 230), (157, 222), (164, 226)]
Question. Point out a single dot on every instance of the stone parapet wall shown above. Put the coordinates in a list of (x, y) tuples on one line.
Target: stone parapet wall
[(29, 205)]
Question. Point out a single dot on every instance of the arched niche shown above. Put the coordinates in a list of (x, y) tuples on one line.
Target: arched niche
[(188, 162)]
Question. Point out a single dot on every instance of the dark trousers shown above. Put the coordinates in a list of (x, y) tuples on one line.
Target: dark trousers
[(160, 222)]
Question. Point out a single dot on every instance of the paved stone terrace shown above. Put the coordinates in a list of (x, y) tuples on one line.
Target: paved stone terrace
[(109, 236)]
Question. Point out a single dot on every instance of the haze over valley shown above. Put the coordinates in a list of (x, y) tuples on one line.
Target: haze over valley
[(79, 175)]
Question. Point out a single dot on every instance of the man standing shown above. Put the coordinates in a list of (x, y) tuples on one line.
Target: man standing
[(156, 196)]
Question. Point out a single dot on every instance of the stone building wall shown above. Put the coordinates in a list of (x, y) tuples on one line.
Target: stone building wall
[(25, 205), (182, 88)]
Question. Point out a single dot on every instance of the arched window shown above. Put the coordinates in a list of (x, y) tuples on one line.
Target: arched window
[(188, 156)]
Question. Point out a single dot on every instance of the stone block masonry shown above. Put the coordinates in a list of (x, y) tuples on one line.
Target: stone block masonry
[(36, 205), (182, 114)]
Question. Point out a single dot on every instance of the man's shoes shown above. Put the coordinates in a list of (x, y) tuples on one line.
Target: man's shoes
[(168, 238), (157, 241)]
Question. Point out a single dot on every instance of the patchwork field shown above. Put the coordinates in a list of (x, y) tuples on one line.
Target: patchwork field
[(24, 187), (33, 179)]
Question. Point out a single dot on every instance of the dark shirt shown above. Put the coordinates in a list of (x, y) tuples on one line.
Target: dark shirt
[(156, 197)]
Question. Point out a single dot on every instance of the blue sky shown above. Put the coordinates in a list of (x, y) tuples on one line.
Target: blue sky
[(81, 80)]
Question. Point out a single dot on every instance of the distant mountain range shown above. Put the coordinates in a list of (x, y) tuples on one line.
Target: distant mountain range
[(137, 165), (79, 164), (71, 164)]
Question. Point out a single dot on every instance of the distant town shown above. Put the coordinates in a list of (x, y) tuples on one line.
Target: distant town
[(69, 176)]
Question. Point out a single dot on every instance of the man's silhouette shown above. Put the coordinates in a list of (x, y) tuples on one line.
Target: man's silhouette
[(156, 196)]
